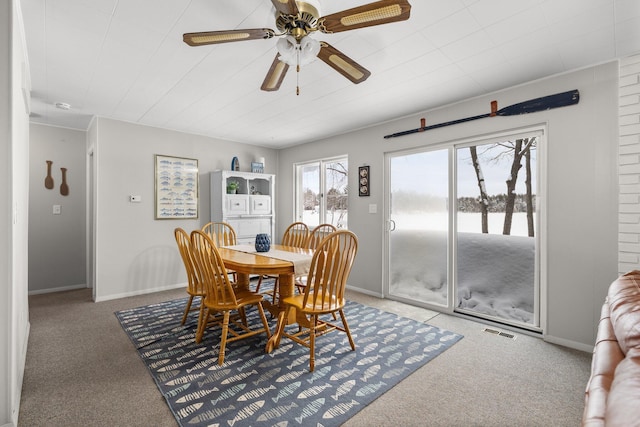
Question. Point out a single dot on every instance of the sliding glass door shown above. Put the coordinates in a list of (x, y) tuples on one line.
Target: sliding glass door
[(462, 229), (419, 227), (496, 227)]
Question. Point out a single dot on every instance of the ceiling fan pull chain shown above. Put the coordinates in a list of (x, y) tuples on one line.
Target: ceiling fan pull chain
[(298, 70)]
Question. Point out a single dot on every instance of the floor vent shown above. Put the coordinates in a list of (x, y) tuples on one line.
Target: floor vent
[(499, 333)]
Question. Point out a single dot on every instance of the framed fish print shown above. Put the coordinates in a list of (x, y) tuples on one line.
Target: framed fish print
[(363, 181), (176, 187)]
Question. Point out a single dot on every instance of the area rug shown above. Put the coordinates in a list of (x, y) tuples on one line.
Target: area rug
[(253, 388)]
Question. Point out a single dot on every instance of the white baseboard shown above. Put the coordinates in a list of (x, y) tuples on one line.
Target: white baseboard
[(141, 292), (365, 291), (567, 343), (60, 289)]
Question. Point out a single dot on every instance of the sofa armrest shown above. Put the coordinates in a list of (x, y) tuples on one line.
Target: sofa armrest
[(606, 357)]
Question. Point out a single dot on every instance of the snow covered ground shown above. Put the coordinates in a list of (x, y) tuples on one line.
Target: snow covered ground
[(495, 272)]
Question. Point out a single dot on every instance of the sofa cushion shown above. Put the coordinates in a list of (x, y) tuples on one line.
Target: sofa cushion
[(624, 306)]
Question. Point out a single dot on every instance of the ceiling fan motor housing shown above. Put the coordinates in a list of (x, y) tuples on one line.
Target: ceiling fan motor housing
[(301, 24)]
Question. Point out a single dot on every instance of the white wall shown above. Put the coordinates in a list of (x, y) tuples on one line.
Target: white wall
[(14, 190), (581, 193), (134, 252), (54, 266)]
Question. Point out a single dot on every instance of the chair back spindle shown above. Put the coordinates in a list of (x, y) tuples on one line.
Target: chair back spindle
[(221, 233), (296, 235), (318, 234)]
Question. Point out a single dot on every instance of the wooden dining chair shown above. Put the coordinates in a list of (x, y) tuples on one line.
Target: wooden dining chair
[(318, 234), (324, 294), (195, 288), (295, 235), (221, 298), (313, 240), (222, 234)]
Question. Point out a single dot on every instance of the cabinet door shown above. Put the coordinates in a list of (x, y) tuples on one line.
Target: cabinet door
[(248, 228), (237, 204), (260, 205)]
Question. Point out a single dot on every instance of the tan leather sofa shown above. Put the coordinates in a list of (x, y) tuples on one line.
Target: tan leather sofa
[(612, 397)]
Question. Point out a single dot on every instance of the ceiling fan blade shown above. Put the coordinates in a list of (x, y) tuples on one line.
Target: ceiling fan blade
[(275, 75), (380, 12), (217, 37), (343, 64), (286, 7)]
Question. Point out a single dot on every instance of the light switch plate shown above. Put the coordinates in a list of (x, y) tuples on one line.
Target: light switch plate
[(135, 199), (57, 209), (373, 208)]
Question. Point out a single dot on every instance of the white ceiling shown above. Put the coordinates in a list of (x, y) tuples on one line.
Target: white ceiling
[(125, 59)]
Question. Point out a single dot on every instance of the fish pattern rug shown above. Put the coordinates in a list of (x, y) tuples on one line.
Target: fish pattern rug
[(253, 388)]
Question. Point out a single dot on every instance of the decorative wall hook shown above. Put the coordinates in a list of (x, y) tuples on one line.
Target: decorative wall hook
[(423, 124)]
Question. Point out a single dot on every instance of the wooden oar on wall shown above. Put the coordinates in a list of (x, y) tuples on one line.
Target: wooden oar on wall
[(48, 180), (531, 106), (64, 187)]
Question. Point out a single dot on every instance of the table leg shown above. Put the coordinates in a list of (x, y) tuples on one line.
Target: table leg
[(242, 281)]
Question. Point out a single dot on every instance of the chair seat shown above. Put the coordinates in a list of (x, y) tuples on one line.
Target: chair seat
[(327, 306), (243, 297)]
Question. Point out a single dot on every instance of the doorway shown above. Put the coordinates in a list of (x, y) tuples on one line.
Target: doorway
[(463, 227)]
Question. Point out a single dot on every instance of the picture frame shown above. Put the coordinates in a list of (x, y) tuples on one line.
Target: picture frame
[(363, 181), (257, 167), (176, 187)]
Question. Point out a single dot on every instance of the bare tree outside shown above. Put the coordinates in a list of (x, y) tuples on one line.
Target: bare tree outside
[(484, 199), (510, 202), (529, 195)]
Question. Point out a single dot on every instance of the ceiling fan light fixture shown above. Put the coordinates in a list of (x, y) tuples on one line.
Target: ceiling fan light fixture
[(372, 15), (294, 53)]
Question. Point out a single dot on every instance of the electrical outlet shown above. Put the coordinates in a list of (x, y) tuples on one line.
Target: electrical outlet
[(57, 209)]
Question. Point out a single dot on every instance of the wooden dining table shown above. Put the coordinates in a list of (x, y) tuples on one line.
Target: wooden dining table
[(265, 263)]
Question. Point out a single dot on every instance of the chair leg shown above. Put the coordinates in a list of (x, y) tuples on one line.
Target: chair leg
[(259, 283), (243, 315), (275, 290), (223, 337), (346, 329), (186, 310), (202, 325), (280, 326), (201, 313), (312, 342), (264, 320)]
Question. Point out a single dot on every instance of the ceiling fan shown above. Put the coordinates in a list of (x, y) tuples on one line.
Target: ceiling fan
[(296, 20)]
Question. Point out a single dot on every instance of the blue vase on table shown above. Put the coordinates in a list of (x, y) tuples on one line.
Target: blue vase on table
[(263, 243)]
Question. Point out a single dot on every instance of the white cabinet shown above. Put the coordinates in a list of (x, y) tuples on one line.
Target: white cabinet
[(244, 200)]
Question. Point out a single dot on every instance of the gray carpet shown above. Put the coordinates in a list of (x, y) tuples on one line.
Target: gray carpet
[(82, 370)]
